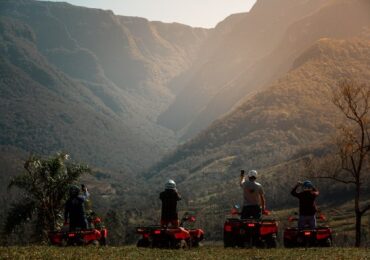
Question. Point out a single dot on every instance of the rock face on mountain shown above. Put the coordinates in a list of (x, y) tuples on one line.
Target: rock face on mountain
[(255, 49), (88, 81)]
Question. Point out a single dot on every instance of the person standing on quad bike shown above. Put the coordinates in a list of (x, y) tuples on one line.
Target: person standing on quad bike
[(169, 198), (86, 196), (307, 205), (253, 194), (74, 212)]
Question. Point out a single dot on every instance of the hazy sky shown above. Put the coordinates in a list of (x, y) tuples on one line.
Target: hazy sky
[(202, 13)]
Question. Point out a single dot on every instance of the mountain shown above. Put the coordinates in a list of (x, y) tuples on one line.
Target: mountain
[(273, 131), (257, 48), (118, 92), (89, 82)]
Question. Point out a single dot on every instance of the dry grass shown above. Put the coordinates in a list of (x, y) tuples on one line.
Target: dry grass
[(207, 252)]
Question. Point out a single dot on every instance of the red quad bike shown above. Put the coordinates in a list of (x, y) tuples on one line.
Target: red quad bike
[(307, 237), (251, 232), (95, 235), (167, 237)]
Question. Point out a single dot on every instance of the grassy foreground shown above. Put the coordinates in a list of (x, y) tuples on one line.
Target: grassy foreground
[(207, 252)]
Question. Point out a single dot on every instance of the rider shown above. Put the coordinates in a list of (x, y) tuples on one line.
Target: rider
[(86, 195), (254, 198), (307, 205), (169, 198), (75, 210)]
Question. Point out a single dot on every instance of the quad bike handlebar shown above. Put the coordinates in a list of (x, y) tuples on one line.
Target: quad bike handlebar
[(188, 217), (236, 211), (321, 217)]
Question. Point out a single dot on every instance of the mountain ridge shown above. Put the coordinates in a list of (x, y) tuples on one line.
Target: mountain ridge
[(296, 35), (66, 59), (291, 115)]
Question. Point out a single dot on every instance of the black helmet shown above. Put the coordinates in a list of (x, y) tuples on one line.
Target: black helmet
[(307, 185), (74, 190)]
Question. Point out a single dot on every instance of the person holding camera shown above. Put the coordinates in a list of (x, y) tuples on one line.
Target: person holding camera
[(307, 205), (74, 213), (253, 195)]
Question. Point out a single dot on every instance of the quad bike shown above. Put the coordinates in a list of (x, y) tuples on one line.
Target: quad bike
[(96, 234), (321, 236), (250, 232), (166, 237)]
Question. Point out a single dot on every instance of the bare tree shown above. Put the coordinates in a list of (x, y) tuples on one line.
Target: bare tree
[(351, 162)]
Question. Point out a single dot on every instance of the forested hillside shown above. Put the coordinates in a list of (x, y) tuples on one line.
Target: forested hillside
[(89, 82), (119, 93), (273, 131)]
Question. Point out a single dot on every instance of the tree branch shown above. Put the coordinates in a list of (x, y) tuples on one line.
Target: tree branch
[(335, 178), (365, 209)]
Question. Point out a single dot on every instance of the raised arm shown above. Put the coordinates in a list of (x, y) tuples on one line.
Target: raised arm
[(294, 190), (315, 192), (178, 196), (242, 178), (85, 193)]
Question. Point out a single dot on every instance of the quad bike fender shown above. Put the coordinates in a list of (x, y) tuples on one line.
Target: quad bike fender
[(93, 235), (55, 238), (196, 233), (323, 234), (180, 233), (268, 228), (104, 232)]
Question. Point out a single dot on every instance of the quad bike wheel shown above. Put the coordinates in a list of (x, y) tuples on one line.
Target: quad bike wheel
[(179, 244), (271, 241), (95, 243), (64, 243), (247, 243), (143, 243), (183, 244), (327, 243), (228, 241), (196, 243), (288, 244), (103, 241)]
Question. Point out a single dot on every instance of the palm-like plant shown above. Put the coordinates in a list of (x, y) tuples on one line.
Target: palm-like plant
[(45, 184)]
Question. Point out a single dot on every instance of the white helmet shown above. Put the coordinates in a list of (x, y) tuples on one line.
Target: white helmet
[(252, 173), (170, 185)]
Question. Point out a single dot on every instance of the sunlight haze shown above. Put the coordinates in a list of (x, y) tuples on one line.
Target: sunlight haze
[(197, 13)]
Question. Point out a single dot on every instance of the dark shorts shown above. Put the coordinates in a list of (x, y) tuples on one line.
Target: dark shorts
[(75, 224), (169, 215), (253, 212), (170, 223), (307, 222)]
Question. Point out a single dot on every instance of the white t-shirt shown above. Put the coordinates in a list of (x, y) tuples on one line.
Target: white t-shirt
[(252, 192)]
